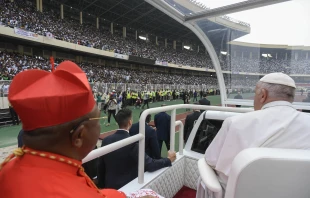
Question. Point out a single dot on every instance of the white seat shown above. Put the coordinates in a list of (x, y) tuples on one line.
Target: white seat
[(263, 173)]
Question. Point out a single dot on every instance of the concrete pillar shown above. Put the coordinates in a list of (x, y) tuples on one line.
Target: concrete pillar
[(62, 11), (112, 28), (97, 22), (156, 40), (41, 5), (81, 17), (124, 32), (166, 43), (198, 48), (182, 45), (38, 5), (54, 54), (20, 49), (136, 35)]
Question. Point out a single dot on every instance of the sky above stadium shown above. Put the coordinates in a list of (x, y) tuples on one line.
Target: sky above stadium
[(283, 24)]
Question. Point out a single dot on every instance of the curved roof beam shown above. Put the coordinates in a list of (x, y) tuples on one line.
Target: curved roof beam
[(237, 7)]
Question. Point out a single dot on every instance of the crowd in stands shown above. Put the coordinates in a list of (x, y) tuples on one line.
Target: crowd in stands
[(23, 14), (264, 65), (13, 63)]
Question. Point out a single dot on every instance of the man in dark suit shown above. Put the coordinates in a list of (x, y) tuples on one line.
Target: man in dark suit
[(119, 167), (200, 94), (204, 101), (190, 122), (20, 142), (162, 124), (238, 96), (151, 143)]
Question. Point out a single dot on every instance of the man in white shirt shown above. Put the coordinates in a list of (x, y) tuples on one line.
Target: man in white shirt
[(274, 124)]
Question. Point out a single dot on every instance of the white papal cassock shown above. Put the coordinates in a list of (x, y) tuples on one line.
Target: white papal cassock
[(277, 125)]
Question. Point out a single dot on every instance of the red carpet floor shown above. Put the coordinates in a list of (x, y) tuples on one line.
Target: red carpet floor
[(186, 192)]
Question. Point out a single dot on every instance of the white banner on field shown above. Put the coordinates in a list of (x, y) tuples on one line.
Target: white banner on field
[(121, 56), (25, 33)]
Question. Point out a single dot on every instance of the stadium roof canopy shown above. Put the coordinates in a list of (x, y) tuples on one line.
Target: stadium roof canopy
[(136, 14)]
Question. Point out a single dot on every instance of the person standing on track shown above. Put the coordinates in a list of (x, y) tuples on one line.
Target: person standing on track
[(195, 96), (14, 116), (111, 105), (145, 100), (204, 101)]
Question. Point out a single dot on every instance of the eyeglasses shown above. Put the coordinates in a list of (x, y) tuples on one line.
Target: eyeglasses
[(85, 120)]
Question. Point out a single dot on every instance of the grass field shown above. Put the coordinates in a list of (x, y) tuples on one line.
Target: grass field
[(8, 135)]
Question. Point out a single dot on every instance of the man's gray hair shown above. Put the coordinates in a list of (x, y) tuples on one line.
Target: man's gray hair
[(278, 91)]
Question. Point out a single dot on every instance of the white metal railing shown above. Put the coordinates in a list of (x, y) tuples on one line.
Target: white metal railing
[(140, 137)]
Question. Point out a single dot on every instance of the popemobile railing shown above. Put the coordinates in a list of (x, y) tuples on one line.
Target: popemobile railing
[(140, 137)]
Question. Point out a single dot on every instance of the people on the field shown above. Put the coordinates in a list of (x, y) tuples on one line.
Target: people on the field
[(190, 122), (14, 116), (145, 100), (275, 123), (111, 106), (195, 94), (162, 124), (151, 142), (60, 128), (119, 167), (204, 101), (138, 103)]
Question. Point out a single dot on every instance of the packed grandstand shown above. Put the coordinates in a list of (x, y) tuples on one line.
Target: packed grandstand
[(22, 14)]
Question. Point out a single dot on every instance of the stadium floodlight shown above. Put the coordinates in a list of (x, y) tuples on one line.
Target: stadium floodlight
[(142, 38), (224, 53), (187, 47), (269, 55), (265, 55)]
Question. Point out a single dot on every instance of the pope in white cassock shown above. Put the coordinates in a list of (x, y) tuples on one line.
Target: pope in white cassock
[(275, 123)]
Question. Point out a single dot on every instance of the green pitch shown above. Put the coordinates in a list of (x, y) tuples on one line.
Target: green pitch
[(8, 135)]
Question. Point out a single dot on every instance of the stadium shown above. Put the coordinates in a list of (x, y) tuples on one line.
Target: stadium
[(163, 58)]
